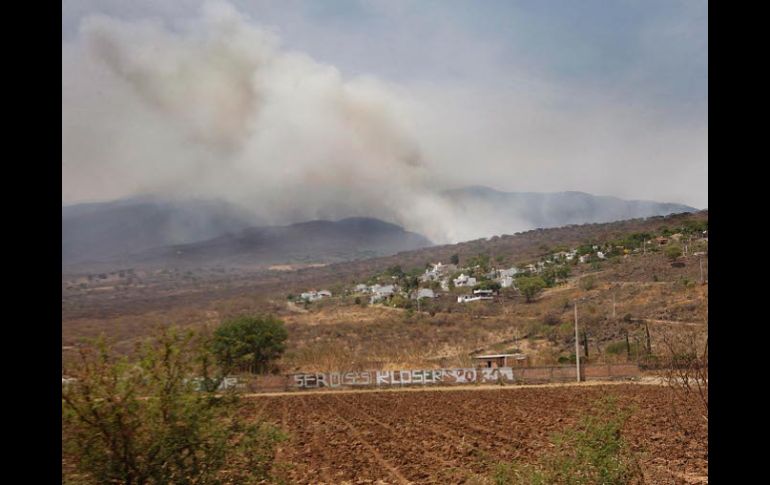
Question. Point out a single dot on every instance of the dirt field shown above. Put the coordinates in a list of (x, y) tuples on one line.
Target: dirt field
[(458, 436)]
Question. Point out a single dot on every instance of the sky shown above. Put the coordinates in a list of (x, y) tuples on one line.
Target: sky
[(362, 107)]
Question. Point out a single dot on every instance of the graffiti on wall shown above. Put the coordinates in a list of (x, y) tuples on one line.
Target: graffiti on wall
[(403, 377)]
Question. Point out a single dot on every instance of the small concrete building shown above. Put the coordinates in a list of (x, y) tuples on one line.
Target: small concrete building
[(494, 361)]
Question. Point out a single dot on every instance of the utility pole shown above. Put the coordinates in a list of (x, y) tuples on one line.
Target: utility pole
[(700, 263), (577, 344)]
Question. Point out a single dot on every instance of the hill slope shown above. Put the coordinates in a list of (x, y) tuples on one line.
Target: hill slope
[(105, 231), (310, 242), (491, 212)]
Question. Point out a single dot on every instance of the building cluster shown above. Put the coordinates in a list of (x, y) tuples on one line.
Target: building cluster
[(315, 295)]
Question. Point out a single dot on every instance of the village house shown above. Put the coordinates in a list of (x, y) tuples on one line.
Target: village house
[(464, 280), (469, 298), (380, 293), (494, 361), (361, 288), (508, 272), (484, 292), (600, 255), (531, 268), (506, 281), (315, 295), (436, 271), (585, 258)]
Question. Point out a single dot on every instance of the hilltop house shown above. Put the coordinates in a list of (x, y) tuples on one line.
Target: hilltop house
[(508, 272), (531, 268), (315, 295), (380, 293), (469, 298), (436, 271), (501, 360), (464, 280)]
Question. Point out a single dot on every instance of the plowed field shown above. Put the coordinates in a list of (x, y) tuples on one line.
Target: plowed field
[(460, 435)]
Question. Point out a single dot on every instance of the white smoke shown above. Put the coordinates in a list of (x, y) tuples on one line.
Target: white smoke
[(215, 106), (218, 108)]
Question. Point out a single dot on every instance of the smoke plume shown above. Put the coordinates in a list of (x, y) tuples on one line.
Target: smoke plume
[(218, 108)]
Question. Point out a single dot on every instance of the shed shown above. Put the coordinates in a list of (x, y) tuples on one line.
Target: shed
[(501, 360)]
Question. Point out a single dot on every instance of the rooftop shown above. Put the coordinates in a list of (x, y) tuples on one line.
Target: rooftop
[(497, 356)]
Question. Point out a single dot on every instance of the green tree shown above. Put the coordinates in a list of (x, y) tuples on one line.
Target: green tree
[(158, 419), (488, 285), (673, 252), (249, 342), (530, 286), (480, 260), (455, 259)]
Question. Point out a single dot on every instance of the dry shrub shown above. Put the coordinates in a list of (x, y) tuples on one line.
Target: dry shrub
[(685, 369)]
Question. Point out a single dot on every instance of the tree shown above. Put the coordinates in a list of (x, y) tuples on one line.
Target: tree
[(488, 285), (530, 286), (158, 419), (686, 370), (252, 342), (455, 259), (673, 252)]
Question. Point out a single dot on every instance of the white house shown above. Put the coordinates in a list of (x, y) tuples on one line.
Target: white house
[(379, 293), (464, 280), (315, 295), (584, 258), (483, 292), (508, 272), (361, 288), (506, 281), (469, 298), (445, 284), (436, 271), (599, 254)]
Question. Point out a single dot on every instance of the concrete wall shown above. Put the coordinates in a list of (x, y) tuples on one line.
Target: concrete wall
[(430, 377)]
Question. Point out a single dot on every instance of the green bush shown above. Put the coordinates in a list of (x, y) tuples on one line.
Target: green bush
[(159, 419), (588, 283), (530, 286), (616, 348), (252, 342), (673, 252)]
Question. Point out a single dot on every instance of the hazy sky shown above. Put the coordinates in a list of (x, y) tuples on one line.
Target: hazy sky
[(348, 105)]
